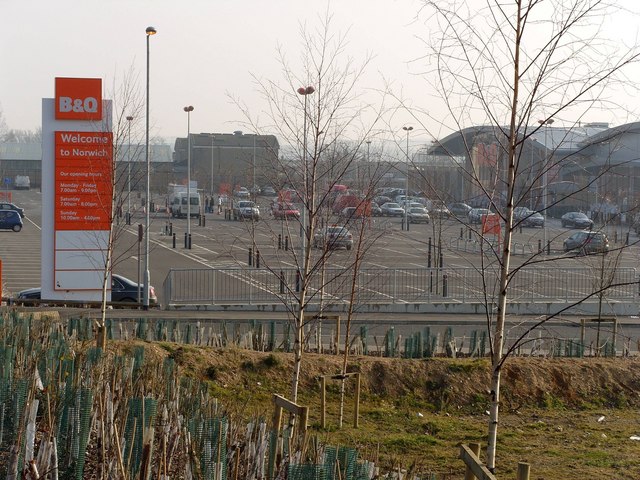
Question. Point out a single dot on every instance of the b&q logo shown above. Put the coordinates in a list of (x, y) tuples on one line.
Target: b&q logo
[(78, 99)]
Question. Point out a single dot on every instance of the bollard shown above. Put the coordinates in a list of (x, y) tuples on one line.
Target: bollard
[(128, 218), (444, 285), (549, 247), (189, 240), (203, 220), (461, 233), (174, 240), (185, 239), (539, 246), (281, 281), (441, 260), (286, 243), (429, 252), (626, 241), (298, 281), (250, 262), (170, 228), (431, 281), (257, 258), (470, 231), (615, 236), (520, 228), (279, 241)]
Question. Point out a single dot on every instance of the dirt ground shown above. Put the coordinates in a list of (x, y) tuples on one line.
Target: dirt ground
[(568, 418)]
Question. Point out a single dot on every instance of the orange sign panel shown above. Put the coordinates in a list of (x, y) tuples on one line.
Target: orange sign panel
[(491, 224), (78, 99), (83, 180)]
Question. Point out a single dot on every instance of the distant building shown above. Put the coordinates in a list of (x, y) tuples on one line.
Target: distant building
[(223, 161)]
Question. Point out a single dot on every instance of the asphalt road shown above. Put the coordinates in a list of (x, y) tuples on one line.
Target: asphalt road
[(226, 243)]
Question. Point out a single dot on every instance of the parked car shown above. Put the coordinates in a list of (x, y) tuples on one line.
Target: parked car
[(284, 210), (269, 191), (10, 220), (418, 215), (122, 290), (527, 217), (587, 242), (460, 210), (576, 220), (376, 211), (382, 199), (11, 206), (475, 215), (246, 210), (334, 236), (392, 209), (439, 211), (242, 192)]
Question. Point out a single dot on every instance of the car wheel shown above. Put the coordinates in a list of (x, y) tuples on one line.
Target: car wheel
[(128, 300), (17, 228), (348, 247), (564, 225)]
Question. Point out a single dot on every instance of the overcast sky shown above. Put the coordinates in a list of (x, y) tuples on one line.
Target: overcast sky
[(204, 50)]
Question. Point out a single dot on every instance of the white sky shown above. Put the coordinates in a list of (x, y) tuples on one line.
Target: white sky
[(205, 49)]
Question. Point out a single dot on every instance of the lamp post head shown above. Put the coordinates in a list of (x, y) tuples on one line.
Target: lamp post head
[(407, 129), (129, 118), (306, 90), (549, 121), (151, 31), (188, 109)]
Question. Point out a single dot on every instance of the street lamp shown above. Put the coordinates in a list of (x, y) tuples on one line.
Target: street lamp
[(188, 109), (129, 118), (305, 92), (406, 192), (145, 296), (545, 166)]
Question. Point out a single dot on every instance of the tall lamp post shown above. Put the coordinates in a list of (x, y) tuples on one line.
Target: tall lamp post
[(188, 109), (129, 118), (305, 92), (406, 192), (145, 295), (545, 166)]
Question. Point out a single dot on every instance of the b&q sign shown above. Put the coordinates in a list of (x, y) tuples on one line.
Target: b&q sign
[(78, 99)]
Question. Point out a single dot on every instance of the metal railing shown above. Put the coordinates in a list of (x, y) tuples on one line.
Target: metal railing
[(255, 286)]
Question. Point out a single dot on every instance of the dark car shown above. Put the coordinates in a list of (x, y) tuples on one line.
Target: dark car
[(460, 210), (10, 220), (576, 220), (122, 290), (527, 218), (475, 215), (334, 236), (587, 242), (11, 206), (376, 211)]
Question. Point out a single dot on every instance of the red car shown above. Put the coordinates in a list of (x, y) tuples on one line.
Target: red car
[(284, 210)]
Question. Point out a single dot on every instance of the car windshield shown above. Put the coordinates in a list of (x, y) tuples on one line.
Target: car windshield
[(417, 210), (336, 230), (392, 205)]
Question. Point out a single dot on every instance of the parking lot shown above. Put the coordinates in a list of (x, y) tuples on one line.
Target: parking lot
[(223, 243)]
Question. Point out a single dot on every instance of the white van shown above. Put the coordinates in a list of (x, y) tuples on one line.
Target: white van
[(22, 182), (179, 207)]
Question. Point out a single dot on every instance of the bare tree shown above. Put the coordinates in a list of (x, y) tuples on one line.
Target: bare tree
[(510, 66), (313, 113)]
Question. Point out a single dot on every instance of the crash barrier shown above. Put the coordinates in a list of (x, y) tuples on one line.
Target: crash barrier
[(377, 286)]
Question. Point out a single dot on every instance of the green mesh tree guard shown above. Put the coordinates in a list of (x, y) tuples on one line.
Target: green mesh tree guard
[(272, 336), (142, 413), (363, 339), (210, 437), (342, 462), (308, 472), (390, 343)]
